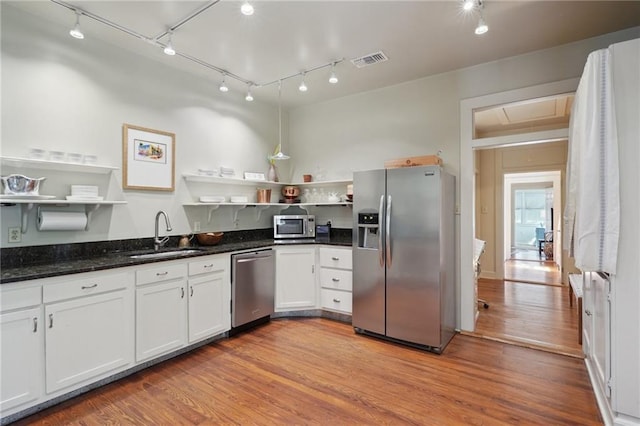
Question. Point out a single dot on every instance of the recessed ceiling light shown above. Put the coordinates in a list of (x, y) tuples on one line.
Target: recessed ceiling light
[(468, 5)]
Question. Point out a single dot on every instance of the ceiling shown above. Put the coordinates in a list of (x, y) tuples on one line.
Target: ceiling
[(523, 117), (284, 38)]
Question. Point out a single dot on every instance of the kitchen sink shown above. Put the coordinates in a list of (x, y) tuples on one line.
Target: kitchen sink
[(161, 254)]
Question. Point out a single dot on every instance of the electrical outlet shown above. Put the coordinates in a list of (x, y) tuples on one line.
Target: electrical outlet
[(196, 226), (15, 235)]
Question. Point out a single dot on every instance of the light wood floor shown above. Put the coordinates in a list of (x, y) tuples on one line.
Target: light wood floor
[(533, 315), (528, 266), (317, 371)]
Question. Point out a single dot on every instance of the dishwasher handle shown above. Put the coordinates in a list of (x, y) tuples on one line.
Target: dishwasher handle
[(247, 257)]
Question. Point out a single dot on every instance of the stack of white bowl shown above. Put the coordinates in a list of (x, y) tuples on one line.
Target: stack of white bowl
[(84, 192)]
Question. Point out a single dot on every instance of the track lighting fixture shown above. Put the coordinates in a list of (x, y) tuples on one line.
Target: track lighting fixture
[(246, 8), (76, 32), (168, 49), (302, 87), (223, 86), (482, 27), (249, 96), (468, 5), (333, 79)]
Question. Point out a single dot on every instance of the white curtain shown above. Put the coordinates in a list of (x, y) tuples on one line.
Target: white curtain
[(592, 211)]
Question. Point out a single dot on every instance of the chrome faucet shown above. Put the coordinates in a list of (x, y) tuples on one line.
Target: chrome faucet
[(157, 241)]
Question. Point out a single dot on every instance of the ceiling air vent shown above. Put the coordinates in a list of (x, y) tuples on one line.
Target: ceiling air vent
[(370, 59)]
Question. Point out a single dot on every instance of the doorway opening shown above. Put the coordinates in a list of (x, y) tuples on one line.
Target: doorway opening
[(532, 237)]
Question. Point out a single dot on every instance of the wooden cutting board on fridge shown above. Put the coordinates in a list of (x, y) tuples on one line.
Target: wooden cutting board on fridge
[(424, 160)]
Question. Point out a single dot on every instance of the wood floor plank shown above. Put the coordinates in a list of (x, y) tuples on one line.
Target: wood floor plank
[(318, 371)]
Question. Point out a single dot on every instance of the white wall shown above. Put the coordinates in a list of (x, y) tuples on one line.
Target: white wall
[(74, 95), (422, 117)]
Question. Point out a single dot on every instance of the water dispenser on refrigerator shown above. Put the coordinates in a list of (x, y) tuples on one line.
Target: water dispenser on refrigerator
[(368, 231)]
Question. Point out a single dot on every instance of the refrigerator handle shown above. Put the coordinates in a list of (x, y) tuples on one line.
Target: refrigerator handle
[(388, 232), (380, 213)]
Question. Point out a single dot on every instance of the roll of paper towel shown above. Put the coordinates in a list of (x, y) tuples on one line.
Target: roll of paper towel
[(61, 221)]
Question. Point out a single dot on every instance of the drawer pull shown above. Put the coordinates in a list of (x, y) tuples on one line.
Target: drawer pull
[(191, 291), (182, 289), (336, 300), (35, 324), (335, 280), (161, 274), (335, 258), (208, 266), (87, 287), (50, 320)]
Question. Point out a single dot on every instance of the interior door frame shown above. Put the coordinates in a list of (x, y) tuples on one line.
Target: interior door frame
[(467, 308)]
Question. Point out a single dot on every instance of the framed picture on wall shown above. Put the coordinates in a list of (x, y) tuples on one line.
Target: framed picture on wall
[(148, 159)]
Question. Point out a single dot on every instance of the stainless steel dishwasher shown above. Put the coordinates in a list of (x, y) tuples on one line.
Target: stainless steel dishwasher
[(252, 288)]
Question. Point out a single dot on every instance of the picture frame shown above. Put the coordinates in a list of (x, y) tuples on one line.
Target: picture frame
[(254, 176), (148, 159)]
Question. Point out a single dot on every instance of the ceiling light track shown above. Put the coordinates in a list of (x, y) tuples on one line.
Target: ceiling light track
[(302, 73), (186, 19)]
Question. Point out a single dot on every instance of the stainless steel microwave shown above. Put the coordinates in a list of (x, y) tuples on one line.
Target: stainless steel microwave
[(294, 226)]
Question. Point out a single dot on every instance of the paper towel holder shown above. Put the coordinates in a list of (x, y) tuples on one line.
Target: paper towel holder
[(89, 209)]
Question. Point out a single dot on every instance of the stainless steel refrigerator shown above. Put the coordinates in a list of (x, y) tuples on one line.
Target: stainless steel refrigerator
[(404, 255)]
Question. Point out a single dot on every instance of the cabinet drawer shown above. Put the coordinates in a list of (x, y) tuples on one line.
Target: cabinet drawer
[(161, 272), (17, 298), (336, 300), (209, 265), (335, 258), (84, 285), (338, 279)]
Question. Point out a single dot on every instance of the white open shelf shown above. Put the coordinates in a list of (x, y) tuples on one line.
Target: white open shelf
[(194, 177), (18, 162)]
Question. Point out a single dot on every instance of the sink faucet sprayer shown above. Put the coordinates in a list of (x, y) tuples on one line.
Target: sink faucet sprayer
[(157, 242)]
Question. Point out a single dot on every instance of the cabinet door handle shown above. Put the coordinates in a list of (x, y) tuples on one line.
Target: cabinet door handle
[(191, 291), (335, 258), (335, 280), (35, 324), (313, 269), (182, 289), (50, 320), (588, 312), (336, 300), (161, 274), (87, 287)]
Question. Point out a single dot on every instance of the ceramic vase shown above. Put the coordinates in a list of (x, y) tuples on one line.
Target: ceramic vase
[(272, 174)]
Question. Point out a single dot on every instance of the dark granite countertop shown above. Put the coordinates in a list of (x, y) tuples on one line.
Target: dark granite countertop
[(38, 262)]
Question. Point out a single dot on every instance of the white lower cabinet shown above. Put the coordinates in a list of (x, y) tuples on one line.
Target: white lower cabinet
[(161, 310), (86, 337), (88, 320), (209, 297), (295, 278), (336, 279), (21, 354)]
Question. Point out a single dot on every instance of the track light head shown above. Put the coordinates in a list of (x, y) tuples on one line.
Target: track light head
[(168, 49), (249, 97), (76, 32), (246, 8), (333, 78), (303, 86), (482, 27), (468, 5), (223, 86)]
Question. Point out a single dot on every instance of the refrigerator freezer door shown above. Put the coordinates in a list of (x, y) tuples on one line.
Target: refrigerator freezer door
[(368, 263), (413, 277)]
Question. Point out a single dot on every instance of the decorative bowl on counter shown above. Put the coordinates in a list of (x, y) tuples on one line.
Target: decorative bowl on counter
[(209, 238), (21, 185)]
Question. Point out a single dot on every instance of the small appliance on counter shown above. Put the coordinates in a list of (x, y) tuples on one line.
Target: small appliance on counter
[(323, 233), (289, 226)]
